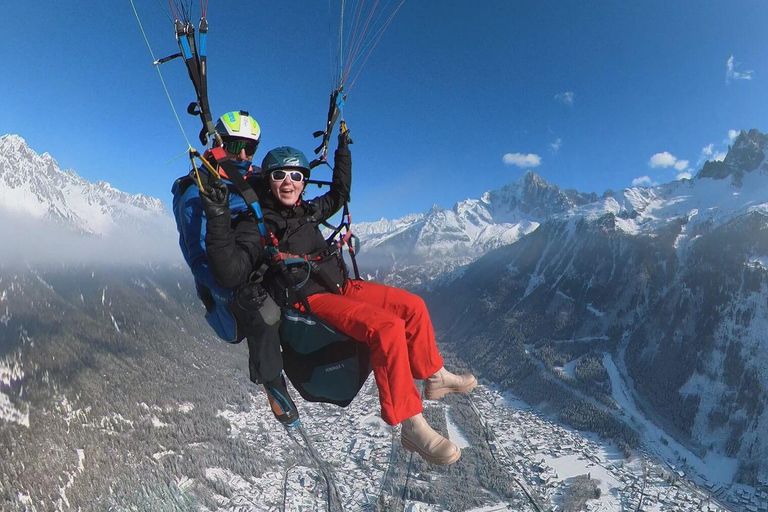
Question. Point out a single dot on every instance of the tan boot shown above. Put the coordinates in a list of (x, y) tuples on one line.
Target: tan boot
[(444, 382), (417, 436)]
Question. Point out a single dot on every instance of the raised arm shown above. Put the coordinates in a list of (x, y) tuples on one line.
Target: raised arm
[(332, 201)]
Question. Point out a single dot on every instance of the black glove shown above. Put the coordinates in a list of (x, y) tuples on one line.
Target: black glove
[(216, 201), (344, 138)]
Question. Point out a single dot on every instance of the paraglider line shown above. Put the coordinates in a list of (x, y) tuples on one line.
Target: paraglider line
[(371, 39), (164, 11), (173, 11), (352, 41), (342, 50), (378, 38), (377, 35), (160, 74), (358, 39), (185, 153), (335, 60)]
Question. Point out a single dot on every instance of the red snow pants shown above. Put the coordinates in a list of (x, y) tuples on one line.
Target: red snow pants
[(395, 325)]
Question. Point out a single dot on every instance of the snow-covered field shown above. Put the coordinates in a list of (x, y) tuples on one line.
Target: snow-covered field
[(10, 373), (713, 468), (547, 456), (454, 432)]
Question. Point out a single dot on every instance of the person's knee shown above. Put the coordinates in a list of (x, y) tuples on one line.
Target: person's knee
[(387, 333), (415, 305)]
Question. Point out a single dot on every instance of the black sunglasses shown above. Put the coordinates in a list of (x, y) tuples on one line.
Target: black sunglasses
[(237, 145)]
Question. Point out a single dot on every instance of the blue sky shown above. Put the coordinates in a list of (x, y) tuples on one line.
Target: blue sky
[(458, 98)]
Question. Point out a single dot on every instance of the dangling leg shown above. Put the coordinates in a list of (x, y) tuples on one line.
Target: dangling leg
[(384, 334), (265, 360), (417, 436), (425, 360), (444, 382)]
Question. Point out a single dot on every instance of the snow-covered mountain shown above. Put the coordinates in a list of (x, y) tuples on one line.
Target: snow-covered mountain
[(110, 377), (672, 279), (707, 201), (419, 247), (55, 216), (34, 186)]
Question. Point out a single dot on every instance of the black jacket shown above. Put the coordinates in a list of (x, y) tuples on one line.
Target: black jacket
[(233, 255)]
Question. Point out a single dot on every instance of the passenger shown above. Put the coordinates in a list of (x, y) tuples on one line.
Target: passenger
[(394, 323)]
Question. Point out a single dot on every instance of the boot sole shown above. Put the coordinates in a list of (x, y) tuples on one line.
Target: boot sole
[(409, 446), (435, 394)]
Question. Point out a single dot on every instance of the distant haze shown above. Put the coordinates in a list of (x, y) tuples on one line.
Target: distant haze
[(45, 243), (51, 216)]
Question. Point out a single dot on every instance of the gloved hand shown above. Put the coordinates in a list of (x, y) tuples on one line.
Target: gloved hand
[(344, 138), (216, 202)]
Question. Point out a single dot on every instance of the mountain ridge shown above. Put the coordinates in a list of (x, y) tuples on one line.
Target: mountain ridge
[(670, 279), (36, 186)]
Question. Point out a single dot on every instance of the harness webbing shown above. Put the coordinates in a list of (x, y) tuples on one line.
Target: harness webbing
[(196, 60), (252, 200), (334, 111)]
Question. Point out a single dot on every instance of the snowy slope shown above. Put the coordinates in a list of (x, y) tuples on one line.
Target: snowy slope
[(419, 247), (33, 185), (672, 278)]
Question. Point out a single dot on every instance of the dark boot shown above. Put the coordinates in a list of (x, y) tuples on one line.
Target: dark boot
[(280, 401)]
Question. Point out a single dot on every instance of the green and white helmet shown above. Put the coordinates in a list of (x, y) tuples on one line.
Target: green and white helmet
[(238, 125)]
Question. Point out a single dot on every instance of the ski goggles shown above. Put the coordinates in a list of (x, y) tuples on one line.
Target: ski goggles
[(237, 145), (281, 174)]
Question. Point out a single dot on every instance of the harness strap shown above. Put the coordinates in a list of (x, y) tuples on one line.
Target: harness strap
[(334, 110), (252, 200), (196, 62)]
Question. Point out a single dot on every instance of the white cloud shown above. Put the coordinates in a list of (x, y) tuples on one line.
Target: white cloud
[(732, 74), (556, 145), (667, 159), (566, 98), (709, 152), (664, 159), (522, 160), (642, 181), (684, 176)]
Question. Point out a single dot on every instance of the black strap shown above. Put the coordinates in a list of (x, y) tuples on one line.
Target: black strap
[(246, 191), (197, 65), (337, 99), (250, 197)]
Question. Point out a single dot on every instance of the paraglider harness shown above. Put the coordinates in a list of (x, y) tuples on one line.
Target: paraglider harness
[(323, 364)]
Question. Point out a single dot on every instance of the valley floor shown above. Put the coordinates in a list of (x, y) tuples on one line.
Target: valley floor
[(545, 456)]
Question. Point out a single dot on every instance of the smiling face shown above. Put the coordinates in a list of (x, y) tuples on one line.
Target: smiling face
[(287, 191)]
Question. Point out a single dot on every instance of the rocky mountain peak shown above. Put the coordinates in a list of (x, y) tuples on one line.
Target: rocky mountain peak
[(533, 198), (747, 154)]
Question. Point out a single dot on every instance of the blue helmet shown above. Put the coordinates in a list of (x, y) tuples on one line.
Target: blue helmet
[(285, 157)]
